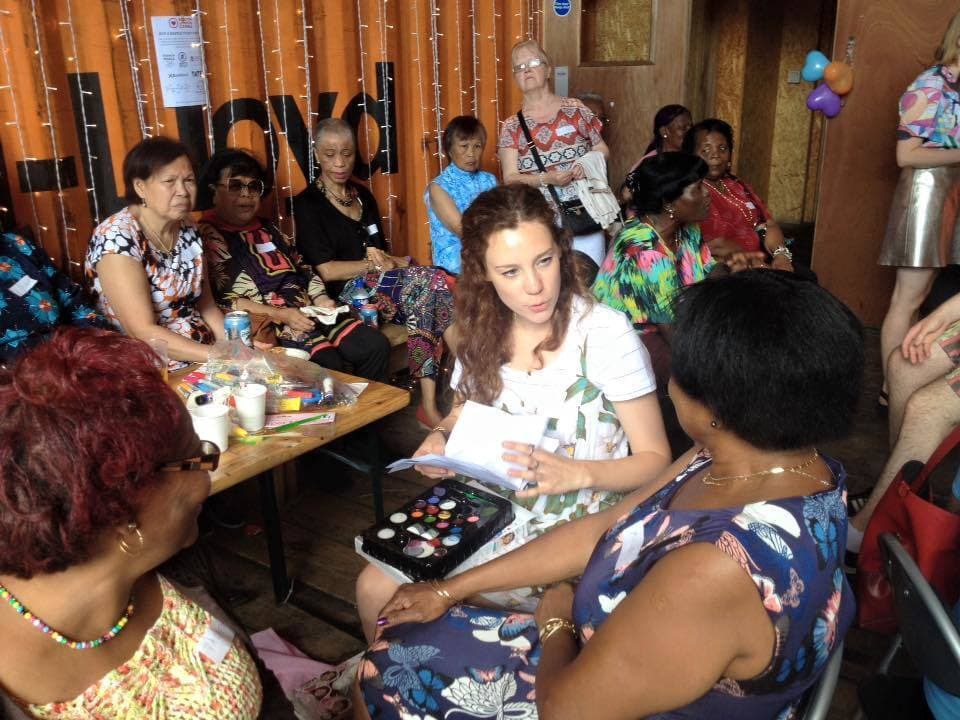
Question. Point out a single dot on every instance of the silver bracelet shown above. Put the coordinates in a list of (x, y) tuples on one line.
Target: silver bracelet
[(783, 250)]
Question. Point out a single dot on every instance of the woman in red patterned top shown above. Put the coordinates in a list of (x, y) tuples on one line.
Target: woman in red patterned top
[(739, 221), (564, 131)]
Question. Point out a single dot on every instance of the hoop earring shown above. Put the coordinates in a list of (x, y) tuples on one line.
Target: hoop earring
[(126, 547)]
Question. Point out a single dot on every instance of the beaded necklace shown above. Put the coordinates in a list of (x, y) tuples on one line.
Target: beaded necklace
[(60, 638), (720, 188), (346, 201)]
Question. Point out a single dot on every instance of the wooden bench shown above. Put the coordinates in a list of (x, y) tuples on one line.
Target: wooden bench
[(397, 335)]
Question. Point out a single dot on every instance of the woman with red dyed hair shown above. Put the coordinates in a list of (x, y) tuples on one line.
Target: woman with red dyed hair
[(101, 480)]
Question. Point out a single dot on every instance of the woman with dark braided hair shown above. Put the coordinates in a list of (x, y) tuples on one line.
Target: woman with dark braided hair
[(534, 343)]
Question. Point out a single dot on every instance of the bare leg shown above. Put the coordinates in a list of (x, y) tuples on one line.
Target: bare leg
[(374, 589), (930, 414), (905, 378), (911, 288)]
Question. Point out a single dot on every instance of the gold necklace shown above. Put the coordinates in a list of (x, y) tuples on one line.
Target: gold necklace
[(674, 244), (154, 238), (346, 201), (709, 479), (721, 189)]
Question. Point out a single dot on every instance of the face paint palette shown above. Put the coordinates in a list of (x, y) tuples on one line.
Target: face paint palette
[(433, 533)]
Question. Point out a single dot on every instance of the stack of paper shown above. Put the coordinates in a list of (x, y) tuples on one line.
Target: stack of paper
[(475, 447)]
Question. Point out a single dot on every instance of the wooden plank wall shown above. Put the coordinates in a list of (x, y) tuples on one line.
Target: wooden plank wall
[(894, 43), (637, 91), (69, 75)]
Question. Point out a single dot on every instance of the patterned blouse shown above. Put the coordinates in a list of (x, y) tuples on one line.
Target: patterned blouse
[(35, 298), (477, 662), (641, 276), (734, 213), (168, 676), (463, 188), (933, 103), (176, 278), (561, 142)]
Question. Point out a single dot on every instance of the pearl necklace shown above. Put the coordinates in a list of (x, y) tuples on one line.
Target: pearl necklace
[(709, 479), (59, 638), (720, 188)]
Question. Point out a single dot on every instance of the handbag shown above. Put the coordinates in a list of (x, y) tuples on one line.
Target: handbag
[(573, 214), (930, 534)]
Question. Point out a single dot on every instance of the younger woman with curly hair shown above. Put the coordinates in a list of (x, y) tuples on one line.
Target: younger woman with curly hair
[(535, 344)]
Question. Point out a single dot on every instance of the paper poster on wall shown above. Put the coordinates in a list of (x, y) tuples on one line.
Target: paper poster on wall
[(176, 39)]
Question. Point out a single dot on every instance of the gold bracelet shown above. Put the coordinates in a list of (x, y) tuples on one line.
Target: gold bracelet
[(553, 626), (442, 593), (443, 431)]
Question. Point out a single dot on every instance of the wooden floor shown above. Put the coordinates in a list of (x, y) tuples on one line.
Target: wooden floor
[(331, 506)]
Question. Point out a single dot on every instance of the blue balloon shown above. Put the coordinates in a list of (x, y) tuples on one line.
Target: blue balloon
[(814, 66)]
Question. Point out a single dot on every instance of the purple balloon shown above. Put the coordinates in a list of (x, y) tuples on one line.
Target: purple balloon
[(825, 100)]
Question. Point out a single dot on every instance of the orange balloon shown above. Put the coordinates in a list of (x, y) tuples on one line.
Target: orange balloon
[(839, 77)]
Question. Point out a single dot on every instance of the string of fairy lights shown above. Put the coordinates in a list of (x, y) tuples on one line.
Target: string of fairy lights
[(143, 81)]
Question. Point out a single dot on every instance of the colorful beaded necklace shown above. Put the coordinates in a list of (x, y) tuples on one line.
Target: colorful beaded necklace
[(57, 637)]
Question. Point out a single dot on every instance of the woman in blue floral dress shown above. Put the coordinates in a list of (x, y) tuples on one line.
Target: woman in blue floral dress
[(714, 591)]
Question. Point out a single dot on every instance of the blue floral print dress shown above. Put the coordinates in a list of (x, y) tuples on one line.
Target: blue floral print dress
[(473, 662)]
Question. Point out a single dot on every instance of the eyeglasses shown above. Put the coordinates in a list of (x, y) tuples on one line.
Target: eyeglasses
[(208, 459), (236, 187), (528, 65)]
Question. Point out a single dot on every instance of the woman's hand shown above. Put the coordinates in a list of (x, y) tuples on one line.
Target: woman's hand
[(417, 602), (780, 262), (557, 602), (545, 473), (380, 259), (920, 338), (325, 301), (292, 318), (434, 444), (578, 172), (400, 262), (738, 261), (558, 177)]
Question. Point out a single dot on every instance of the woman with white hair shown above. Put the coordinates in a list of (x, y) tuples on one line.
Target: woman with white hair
[(340, 235)]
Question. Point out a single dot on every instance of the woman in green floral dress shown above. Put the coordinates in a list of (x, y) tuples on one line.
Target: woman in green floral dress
[(536, 344)]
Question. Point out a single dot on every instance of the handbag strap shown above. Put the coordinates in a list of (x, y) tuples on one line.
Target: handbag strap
[(532, 147), (944, 449)]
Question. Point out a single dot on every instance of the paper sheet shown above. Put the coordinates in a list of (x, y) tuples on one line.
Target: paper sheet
[(475, 447)]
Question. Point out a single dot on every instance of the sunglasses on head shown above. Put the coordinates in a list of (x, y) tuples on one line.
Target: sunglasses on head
[(528, 65), (208, 459)]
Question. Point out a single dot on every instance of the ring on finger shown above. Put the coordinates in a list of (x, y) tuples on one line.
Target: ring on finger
[(534, 465)]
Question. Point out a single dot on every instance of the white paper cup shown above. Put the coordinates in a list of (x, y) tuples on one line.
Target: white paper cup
[(212, 423), (251, 402)]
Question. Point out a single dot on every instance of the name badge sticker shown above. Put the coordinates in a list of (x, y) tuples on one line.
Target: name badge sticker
[(372, 229), (266, 247), (751, 205), (216, 641), (565, 130), (22, 286)]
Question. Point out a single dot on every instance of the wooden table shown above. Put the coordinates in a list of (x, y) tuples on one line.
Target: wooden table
[(242, 461)]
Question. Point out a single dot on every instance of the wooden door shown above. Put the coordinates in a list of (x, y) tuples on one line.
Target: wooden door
[(893, 42)]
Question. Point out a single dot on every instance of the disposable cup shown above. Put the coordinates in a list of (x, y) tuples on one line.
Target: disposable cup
[(251, 402), (212, 422)]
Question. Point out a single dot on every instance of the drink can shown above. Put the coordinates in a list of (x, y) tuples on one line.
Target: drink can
[(236, 325), (368, 313), (359, 298)]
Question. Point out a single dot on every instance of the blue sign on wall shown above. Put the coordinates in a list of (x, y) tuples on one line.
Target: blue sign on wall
[(561, 7)]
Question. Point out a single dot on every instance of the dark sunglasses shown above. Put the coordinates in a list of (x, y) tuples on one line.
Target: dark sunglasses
[(208, 459), (236, 187)]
